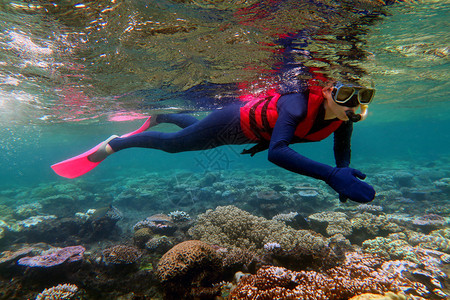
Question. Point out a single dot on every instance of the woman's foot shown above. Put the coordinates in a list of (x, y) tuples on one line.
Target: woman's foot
[(103, 151)]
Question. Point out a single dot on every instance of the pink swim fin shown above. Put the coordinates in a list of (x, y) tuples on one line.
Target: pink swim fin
[(80, 164)]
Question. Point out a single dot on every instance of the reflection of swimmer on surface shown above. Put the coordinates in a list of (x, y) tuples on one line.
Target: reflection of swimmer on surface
[(272, 121)]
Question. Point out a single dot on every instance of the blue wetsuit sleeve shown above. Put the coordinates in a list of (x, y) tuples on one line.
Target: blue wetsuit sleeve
[(292, 109), (342, 139)]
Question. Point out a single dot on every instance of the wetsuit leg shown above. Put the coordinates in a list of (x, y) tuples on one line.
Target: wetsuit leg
[(221, 127), (181, 120)]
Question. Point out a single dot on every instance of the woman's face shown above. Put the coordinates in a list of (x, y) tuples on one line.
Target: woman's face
[(335, 109)]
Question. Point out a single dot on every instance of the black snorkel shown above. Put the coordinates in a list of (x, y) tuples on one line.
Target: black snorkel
[(352, 116), (357, 117)]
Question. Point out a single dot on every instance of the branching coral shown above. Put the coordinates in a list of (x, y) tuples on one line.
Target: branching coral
[(331, 223), (61, 291), (387, 296), (372, 224), (359, 274), (231, 227)]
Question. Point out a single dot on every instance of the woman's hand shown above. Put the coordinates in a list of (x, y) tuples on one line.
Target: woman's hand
[(346, 181)]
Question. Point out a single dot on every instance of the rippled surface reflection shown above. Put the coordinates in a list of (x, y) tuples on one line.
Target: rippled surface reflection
[(81, 60)]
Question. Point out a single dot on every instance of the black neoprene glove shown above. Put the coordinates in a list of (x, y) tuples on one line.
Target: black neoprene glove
[(346, 181)]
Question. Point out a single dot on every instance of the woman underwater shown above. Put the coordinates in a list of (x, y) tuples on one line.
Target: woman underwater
[(272, 121)]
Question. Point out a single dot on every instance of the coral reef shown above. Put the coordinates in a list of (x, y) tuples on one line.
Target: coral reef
[(387, 296), (238, 259), (179, 216), (271, 246), (121, 255), (331, 223), (61, 292), (189, 269), (406, 225), (232, 227), (33, 221), (160, 223), (7, 257), (187, 260), (141, 236), (435, 240), (292, 219), (287, 217), (429, 222), (54, 257), (28, 210), (366, 225), (369, 207), (359, 274), (443, 184), (159, 244)]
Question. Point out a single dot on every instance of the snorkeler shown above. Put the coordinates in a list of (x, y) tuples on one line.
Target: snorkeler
[(272, 122)]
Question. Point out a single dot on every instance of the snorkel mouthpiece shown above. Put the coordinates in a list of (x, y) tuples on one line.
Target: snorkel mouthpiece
[(352, 116), (357, 117)]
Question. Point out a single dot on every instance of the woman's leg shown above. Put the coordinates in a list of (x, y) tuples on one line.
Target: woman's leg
[(221, 127), (181, 120)]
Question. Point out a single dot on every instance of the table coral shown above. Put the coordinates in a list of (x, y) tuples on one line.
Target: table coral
[(159, 223), (7, 257), (54, 257), (268, 195), (430, 220), (359, 274), (231, 227)]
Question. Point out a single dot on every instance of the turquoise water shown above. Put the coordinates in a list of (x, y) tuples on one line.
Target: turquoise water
[(65, 68)]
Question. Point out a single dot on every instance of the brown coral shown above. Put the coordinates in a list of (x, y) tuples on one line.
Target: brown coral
[(61, 291), (188, 259), (121, 254), (359, 274), (240, 259), (387, 296), (232, 227), (331, 223)]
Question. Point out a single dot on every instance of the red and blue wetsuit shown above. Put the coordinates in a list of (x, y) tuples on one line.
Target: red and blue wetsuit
[(273, 123)]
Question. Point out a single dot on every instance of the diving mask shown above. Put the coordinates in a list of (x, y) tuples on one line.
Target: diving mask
[(351, 96)]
